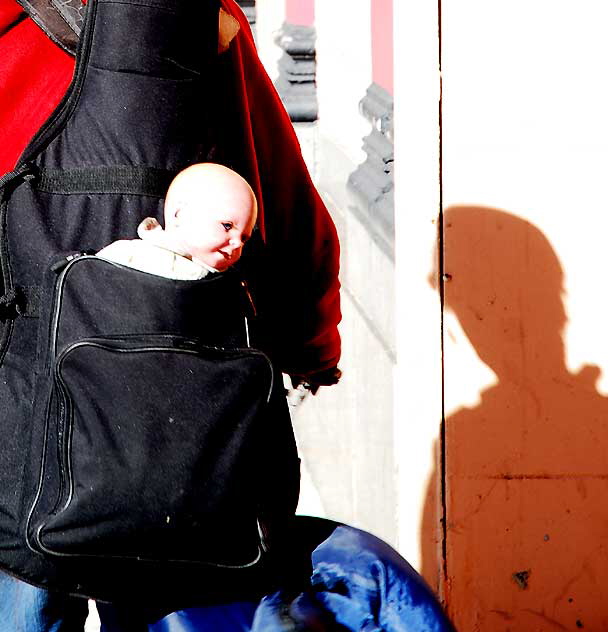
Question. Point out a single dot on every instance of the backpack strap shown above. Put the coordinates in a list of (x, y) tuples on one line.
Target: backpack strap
[(125, 179), (61, 21), (128, 179)]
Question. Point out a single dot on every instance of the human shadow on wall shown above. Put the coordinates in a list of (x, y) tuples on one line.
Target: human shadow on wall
[(526, 468)]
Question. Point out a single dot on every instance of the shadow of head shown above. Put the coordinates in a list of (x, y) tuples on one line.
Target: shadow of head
[(504, 282)]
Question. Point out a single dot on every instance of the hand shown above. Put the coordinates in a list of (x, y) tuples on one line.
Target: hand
[(313, 381)]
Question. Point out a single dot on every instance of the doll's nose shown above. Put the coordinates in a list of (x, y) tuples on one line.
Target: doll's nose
[(236, 242)]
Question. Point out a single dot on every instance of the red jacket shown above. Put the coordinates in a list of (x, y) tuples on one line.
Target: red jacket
[(301, 245)]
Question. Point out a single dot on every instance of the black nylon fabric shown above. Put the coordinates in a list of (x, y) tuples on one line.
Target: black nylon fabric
[(145, 87), (100, 298), (128, 51), (150, 433), (156, 453)]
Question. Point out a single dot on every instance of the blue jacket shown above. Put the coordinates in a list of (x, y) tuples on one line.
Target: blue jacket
[(358, 583)]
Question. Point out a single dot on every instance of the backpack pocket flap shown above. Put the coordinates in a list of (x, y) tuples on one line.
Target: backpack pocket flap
[(155, 441), (95, 297)]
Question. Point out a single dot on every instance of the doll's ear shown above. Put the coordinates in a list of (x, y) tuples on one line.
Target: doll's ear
[(176, 215), (172, 212)]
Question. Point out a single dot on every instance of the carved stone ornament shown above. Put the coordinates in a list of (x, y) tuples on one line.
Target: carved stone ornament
[(373, 179), (296, 84)]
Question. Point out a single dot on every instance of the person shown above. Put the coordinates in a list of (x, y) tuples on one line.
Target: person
[(209, 214), (293, 259)]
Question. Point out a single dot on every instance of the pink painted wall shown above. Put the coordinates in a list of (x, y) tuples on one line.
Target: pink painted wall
[(382, 43), (300, 12)]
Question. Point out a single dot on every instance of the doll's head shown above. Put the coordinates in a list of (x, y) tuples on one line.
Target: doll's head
[(210, 212)]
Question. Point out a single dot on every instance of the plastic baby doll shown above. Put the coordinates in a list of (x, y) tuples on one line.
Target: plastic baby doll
[(209, 214)]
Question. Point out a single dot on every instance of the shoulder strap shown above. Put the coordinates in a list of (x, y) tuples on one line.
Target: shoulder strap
[(129, 179), (61, 20)]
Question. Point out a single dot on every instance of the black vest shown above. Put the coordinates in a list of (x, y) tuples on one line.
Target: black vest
[(147, 448)]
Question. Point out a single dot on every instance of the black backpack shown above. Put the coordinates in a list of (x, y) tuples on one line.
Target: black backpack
[(148, 447)]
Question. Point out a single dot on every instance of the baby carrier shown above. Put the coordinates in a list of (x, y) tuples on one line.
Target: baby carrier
[(146, 435)]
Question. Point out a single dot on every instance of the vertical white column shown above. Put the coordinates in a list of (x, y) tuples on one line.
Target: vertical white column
[(418, 374), (270, 17)]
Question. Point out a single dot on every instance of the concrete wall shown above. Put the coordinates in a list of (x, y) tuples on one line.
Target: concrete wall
[(346, 432), (525, 153)]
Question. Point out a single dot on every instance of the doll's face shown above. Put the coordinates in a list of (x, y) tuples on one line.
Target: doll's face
[(216, 232), (213, 217)]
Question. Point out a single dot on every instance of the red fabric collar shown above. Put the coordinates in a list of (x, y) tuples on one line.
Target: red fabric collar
[(34, 75)]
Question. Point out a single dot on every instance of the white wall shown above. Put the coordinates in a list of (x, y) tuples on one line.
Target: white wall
[(344, 72), (351, 424), (270, 17), (417, 375), (525, 130)]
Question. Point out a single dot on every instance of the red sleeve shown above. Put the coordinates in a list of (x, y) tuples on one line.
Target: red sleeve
[(299, 234)]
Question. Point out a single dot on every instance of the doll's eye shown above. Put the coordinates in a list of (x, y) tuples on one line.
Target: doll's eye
[(227, 226)]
